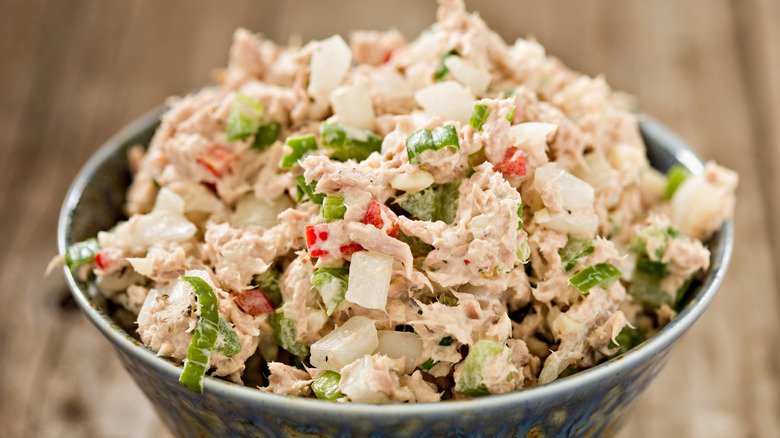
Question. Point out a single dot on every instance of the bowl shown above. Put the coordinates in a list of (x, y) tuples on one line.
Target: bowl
[(594, 402)]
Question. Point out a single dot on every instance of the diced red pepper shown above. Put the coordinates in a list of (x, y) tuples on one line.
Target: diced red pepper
[(254, 302), (388, 56), (216, 158), (376, 215), (513, 163), (315, 235), (103, 260), (350, 249)]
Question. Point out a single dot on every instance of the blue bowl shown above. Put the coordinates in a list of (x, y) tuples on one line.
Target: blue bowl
[(594, 403)]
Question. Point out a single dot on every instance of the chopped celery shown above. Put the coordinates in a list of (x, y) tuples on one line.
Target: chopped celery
[(331, 283), (446, 341), (646, 288), (244, 117), (472, 367), (447, 195), (438, 203), (524, 252), (416, 245), (268, 282), (575, 250), (333, 208), (676, 175), (267, 135), (326, 387), (448, 300), (418, 143), (511, 115), (308, 189), (428, 364), (80, 253), (299, 146), (286, 336), (203, 337), (478, 116), (227, 342), (445, 136), (601, 275), (627, 339), (655, 269), (441, 69), (349, 143)]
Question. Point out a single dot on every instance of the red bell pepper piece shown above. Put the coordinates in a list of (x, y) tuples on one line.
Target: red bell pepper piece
[(315, 235), (377, 214), (216, 158), (254, 302), (103, 260), (513, 163)]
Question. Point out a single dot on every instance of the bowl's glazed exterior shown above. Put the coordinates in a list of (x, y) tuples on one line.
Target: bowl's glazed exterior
[(593, 403)]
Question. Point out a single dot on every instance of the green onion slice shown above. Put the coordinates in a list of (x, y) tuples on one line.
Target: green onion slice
[(478, 116), (203, 338), (676, 175), (576, 249), (267, 135), (80, 253), (441, 70), (601, 275), (299, 146), (326, 387), (349, 143), (418, 143), (308, 190), (244, 117)]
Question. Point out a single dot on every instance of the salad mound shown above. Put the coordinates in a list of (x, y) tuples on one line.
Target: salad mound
[(384, 221)]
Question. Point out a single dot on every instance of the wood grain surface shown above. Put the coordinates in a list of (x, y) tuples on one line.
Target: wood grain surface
[(72, 72)]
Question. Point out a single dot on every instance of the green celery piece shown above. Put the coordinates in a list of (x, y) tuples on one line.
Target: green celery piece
[(576, 249), (422, 204), (511, 115), (80, 253), (203, 338), (286, 336), (676, 175), (227, 342), (524, 252), (326, 387), (349, 143), (333, 208), (331, 283), (268, 282), (446, 341), (416, 245), (418, 143), (308, 189), (601, 275), (627, 339), (647, 266), (441, 69), (445, 136), (447, 195), (428, 364), (448, 300), (267, 134), (478, 116), (470, 382), (300, 146), (646, 288), (520, 216), (244, 117)]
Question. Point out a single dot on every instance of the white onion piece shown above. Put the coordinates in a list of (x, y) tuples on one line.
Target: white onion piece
[(197, 198), (329, 64), (168, 201), (447, 99), (578, 222), (141, 265), (397, 345), (253, 211), (595, 170), (160, 226), (352, 104), (525, 135), (575, 192), (474, 77), (353, 384), (369, 279), (354, 339), (695, 204), (412, 182)]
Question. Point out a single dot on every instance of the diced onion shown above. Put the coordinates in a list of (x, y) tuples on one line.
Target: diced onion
[(168, 201), (525, 135), (141, 265), (329, 64), (197, 198), (447, 99), (354, 339), (369, 279), (695, 204), (398, 345), (352, 104), (474, 77), (595, 170), (575, 192), (253, 211), (412, 182), (563, 326)]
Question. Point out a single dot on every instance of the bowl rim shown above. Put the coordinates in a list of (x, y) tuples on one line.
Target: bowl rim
[(653, 346)]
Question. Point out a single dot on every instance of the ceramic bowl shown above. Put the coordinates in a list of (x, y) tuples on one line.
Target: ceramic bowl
[(593, 403)]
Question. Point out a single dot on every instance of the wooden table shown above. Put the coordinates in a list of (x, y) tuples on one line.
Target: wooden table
[(74, 72)]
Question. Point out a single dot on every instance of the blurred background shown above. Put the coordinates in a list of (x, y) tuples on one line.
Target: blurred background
[(72, 72)]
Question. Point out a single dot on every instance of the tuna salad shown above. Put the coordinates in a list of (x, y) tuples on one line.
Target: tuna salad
[(388, 221)]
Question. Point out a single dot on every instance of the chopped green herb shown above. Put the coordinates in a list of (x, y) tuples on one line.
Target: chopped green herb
[(676, 175), (627, 339), (267, 135), (227, 342), (471, 376), (244, 117), (333, 208), (80, 253), (308, 189), (511, 115), (576, 249), (478, 116), (286, 336), (349, 143), (331, 283), (601, 275), (428, 364), (326, 387), (204, 337), (416, 245), (268, 282), (446, 341), (299, 146), (441, 69)]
